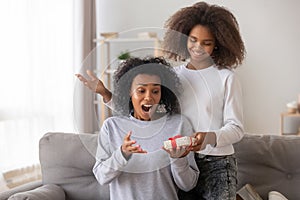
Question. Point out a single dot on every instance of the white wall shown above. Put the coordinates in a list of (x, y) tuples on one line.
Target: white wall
[(270, 74)]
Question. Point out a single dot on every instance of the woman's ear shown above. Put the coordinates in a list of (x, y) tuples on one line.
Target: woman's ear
[(130, 94)]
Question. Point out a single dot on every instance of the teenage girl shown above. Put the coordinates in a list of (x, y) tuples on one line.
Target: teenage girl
[(208, 38)]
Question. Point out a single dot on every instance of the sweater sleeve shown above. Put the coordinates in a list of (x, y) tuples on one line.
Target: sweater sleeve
[(232, 130), (109, 164)]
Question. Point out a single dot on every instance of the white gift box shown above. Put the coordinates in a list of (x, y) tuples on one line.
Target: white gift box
[(179, 141)]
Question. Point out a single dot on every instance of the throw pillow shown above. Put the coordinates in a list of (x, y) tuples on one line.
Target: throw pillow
[(274, 195)]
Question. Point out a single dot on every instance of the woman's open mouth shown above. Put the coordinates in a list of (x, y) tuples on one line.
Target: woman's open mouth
[(146, 108)]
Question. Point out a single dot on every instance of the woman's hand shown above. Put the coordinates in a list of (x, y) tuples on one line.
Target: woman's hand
[(95, 85), (178, 152), (127, 147)]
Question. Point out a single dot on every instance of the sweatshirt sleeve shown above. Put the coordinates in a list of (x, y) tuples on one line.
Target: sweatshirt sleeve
[(232, 130), (185, 171), (110, 103), (109, 163)]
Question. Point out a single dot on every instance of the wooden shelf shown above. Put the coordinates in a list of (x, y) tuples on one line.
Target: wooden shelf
[(291, 114), (118, 40), (108, 48)]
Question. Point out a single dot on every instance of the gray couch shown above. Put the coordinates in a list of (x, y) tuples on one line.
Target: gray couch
[(267, 162)]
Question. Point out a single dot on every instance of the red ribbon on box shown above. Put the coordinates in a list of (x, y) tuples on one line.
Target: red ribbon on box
[(173, 140)]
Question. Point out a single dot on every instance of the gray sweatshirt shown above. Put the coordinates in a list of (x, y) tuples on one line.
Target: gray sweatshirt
[(154, 175)]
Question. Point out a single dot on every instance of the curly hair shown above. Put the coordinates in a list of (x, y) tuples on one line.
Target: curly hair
[(230, 50), (128, 70)]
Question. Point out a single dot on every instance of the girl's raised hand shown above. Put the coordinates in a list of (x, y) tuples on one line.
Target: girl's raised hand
[(127, 147)]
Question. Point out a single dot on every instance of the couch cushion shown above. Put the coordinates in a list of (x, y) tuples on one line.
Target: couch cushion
[(269, 162), (45, 192), (22, 188), (67, 159)]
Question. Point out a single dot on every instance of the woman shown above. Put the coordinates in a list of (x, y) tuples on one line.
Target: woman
[(130, 157)]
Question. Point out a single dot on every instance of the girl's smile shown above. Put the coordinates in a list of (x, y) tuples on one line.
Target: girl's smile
[(200, 45)]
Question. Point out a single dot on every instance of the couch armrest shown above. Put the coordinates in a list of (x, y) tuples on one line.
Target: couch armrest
[(45, 192), (22, 188)]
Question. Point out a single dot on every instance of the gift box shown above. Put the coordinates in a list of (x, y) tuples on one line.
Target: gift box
[(178, 141)]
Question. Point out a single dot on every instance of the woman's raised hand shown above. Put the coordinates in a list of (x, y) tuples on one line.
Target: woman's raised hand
[(95, 85), (90, 83)]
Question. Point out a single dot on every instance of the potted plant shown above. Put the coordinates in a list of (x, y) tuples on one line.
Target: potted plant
[(124, 55)]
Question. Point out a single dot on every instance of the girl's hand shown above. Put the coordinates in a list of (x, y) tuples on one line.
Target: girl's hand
[(178, 152), (200, 136), (127, 147), (203, 139), (95, 85)]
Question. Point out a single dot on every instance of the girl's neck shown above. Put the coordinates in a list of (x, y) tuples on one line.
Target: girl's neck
[(200, 65)]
